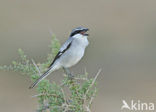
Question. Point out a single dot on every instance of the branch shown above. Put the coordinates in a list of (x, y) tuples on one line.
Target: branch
[(36, 67), (93, 81), (85, 96)]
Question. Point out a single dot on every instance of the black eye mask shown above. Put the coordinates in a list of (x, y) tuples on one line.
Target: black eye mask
[(76, 32)]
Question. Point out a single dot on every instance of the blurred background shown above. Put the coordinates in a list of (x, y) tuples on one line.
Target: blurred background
[(122, 43)]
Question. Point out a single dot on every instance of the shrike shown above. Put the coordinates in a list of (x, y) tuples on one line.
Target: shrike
[(70, 52)]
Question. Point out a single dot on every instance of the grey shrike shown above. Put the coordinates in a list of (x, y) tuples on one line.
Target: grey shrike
[(70, 52)]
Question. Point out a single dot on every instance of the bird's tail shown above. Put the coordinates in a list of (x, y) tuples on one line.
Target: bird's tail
[(42, 77)]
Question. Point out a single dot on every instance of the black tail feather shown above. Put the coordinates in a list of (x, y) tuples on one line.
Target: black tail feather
[(40, 79)]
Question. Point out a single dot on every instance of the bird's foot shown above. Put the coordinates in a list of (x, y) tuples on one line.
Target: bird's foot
[(70, 75)]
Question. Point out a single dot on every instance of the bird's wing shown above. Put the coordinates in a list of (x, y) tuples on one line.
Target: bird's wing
[(63, 48)]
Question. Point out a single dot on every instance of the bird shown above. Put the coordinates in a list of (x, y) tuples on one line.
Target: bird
[(70, 53)]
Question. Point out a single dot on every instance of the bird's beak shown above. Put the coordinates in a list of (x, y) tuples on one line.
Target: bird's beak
[(84, 32), (86, 29)]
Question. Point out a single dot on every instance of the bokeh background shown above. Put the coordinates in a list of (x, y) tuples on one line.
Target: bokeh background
[(122, 43)]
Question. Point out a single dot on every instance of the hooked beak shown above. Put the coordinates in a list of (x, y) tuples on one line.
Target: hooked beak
[(84, 32)]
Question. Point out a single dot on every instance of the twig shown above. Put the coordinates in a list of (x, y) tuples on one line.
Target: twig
[(65, 105), (36, 67), (44, 94), (78, 78), (91, 100), (93, 81), (88, 109), (64, 97)]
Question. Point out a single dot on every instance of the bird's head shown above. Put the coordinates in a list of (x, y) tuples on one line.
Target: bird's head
[(79, 31)]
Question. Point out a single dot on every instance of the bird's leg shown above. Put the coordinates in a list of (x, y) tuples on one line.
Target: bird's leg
[(68, 72)]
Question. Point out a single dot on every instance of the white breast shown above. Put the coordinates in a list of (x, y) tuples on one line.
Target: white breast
[(81, 41), (76, 51)]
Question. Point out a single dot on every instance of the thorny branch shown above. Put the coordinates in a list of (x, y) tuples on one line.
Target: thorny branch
[(76, 94), (66, 106)]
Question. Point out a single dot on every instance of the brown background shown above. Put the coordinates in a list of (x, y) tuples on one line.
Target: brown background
[(122, 43)]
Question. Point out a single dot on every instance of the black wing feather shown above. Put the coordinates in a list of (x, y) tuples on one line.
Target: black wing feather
[(59, 54)]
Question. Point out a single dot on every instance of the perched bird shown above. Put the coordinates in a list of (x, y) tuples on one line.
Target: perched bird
[(70, 52)]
